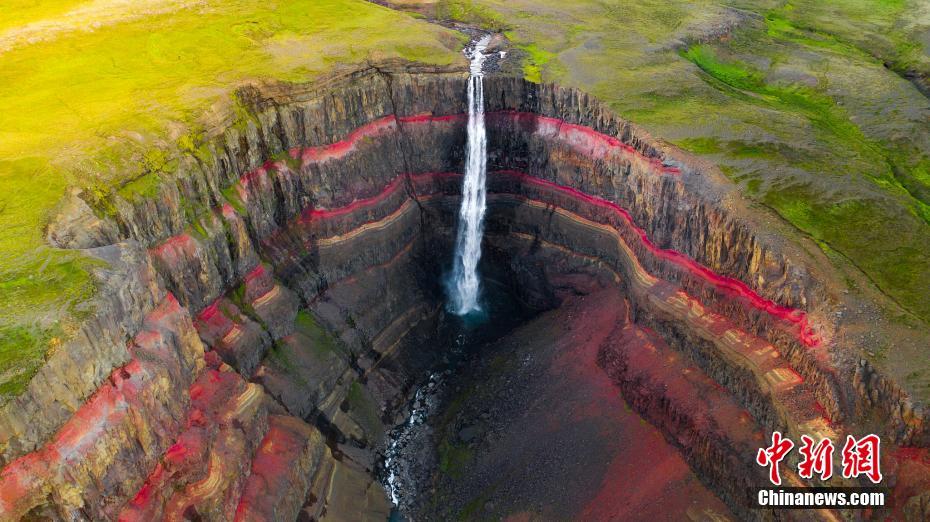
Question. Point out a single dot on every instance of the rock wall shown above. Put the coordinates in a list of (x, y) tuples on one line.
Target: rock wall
[(278, 292)]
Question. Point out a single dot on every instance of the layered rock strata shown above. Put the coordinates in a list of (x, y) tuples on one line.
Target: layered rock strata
[(302, 251)]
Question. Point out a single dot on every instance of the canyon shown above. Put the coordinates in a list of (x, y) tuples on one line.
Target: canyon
[(262, 317)]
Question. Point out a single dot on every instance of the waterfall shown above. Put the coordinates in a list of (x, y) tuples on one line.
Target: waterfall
[(465, 283)]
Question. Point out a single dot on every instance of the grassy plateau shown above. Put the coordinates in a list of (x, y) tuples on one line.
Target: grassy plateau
[(101, 94)]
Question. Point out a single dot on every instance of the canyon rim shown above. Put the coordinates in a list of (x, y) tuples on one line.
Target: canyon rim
[(241, 242)]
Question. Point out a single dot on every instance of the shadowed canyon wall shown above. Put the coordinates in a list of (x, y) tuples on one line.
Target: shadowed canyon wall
[(261, 317)]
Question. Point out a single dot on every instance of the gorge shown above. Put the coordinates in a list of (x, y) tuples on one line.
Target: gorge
[(265, 314)]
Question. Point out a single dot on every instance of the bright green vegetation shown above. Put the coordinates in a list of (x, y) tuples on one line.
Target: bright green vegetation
[(536, 59), (112, 109), (889, 30), (830, 120), (803, 103)]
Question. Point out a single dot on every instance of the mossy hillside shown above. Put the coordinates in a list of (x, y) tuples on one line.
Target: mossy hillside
[(838, 221), (113, 108), (792, 99), (469, 12), (888, 30)]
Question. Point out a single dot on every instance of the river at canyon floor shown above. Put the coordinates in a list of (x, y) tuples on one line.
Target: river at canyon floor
[(410, 456), (528, 426)]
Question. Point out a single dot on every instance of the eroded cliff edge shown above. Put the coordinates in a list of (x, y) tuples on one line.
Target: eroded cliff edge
[(276, 293)]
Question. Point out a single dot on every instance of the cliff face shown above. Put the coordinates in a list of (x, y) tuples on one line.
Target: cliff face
[(262, 315)]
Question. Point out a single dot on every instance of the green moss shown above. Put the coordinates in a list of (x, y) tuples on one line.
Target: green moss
[(364, 411), (779, 27), (742, 149), (237, 296), (733, 148), (143, 187), (198, 228), (279, 356), (52, 276), (155, 165), (453, 458), (22, 352), (921, 171), (820, 110), (702, 145), (734, 74), (536, 60), (321, 341), (291, 162), (231, 195), (877, 28), (850, 226), (470, 12)]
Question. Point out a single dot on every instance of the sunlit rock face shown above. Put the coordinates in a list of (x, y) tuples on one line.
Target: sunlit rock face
[(265, 314)]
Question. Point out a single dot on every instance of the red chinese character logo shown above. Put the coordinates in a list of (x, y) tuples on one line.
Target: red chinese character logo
[(773, 455), (861, 457), (817, 459)]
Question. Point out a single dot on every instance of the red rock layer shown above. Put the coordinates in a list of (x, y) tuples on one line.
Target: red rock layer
[(193, 439), (240, 341), (752, 367), (772, 372), (96, 458), (620, 219), (283, 465), (201, 474)]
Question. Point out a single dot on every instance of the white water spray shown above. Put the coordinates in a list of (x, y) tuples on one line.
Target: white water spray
[(466, 286)]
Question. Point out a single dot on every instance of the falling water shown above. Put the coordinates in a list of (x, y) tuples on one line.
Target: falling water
[(466, 286)]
